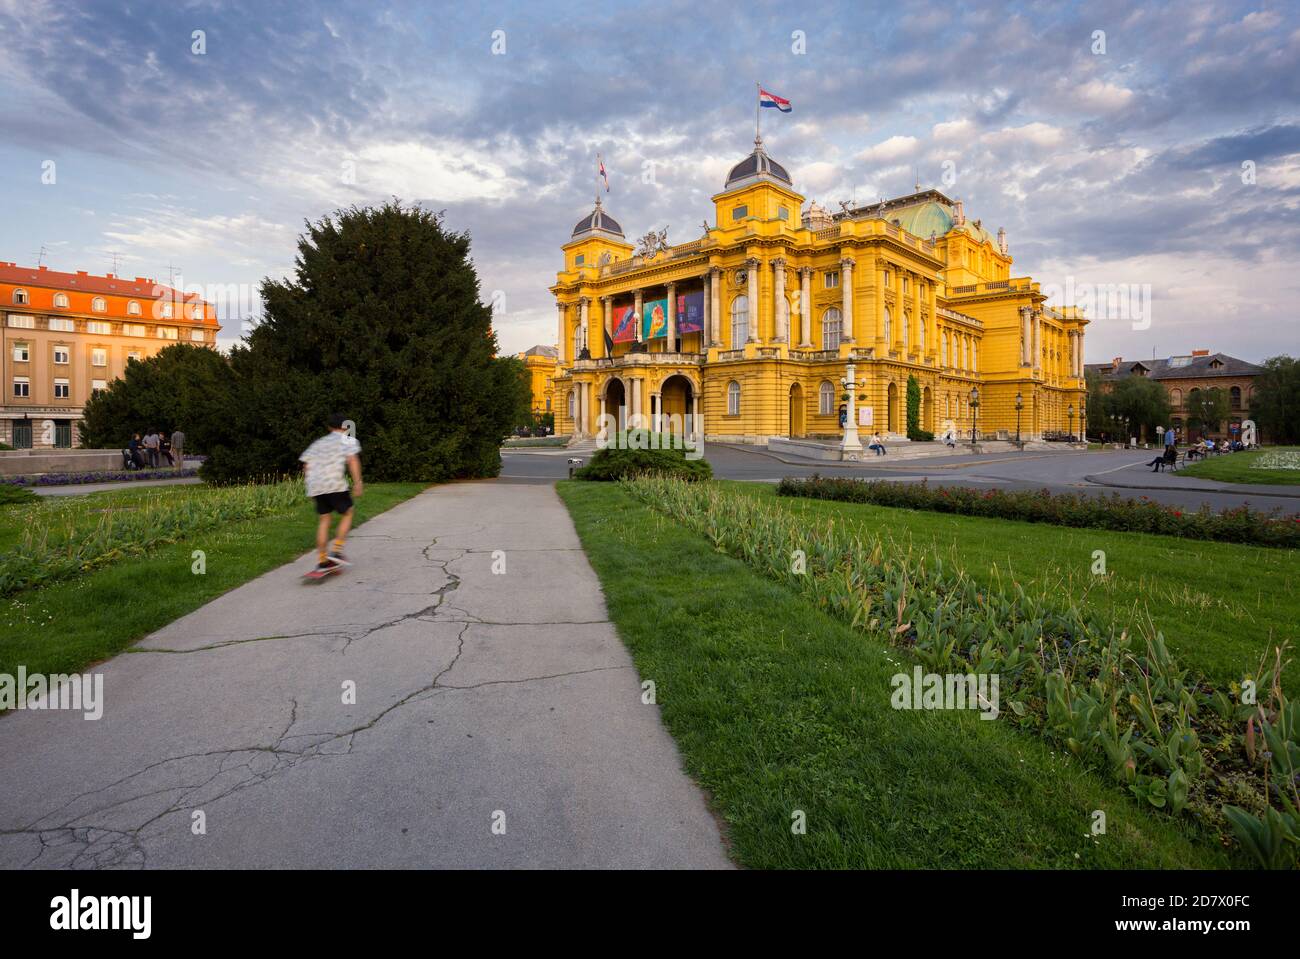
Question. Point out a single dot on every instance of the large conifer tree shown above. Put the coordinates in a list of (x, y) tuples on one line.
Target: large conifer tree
[(383, 323)]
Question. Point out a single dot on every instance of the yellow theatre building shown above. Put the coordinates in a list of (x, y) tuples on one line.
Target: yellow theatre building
[(751, 328)]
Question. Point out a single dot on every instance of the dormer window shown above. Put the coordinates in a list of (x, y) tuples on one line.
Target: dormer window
[(133, 308), (1216, 364), (740, 212), (579, 259), (196, 312), (61, 300), (20, 297), (99, 304)]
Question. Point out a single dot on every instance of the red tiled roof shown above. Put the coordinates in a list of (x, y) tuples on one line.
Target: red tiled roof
[(84, 282)]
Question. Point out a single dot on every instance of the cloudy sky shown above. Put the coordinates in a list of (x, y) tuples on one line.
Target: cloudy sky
[(1124, 157)]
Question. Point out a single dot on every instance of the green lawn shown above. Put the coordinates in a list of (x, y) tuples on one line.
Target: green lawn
[(68, 625), (1220, 605), (1240, 468), (779, 708)]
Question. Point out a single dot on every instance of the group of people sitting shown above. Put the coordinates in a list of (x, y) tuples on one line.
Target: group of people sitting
[(153, 448), (1203, 448)]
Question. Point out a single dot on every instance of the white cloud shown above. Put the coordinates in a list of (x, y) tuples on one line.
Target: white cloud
[(895, 148)]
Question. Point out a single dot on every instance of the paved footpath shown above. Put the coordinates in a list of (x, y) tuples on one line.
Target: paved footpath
[(482, 698)]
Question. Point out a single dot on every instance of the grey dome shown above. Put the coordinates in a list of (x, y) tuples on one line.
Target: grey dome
[(757, 166), (598, 220)]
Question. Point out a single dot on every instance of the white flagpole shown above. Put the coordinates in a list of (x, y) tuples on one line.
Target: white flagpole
[(758, 102)]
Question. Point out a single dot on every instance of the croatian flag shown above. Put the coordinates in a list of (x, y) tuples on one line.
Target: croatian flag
[(766, 99), (603, 175)]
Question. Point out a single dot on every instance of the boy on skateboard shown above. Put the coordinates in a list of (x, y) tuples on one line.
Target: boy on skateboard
[(324, 462)]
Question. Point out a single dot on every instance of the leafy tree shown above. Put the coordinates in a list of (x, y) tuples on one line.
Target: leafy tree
[(913, 407), (1207, 409), (183, 386), (1099, 419), (1275, 404), (1145, 402), (381, 322)]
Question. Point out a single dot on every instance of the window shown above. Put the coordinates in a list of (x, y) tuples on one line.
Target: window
[(1236, 397), (580, 259), (887, 277), (974, 356), (134, 329), (943, 347), (167, 333), (23, 322), (739, 322), (783, 213), (22, 387), (196, 336), (832, 279), (98, 385), (99, 326), (132, 355), (832, 328), (889, 326), (99, 304), (22, 352), (99, 357), (1176, 398), (733, 398), (740, 212), (570, 404), (907, 330), (826, 398), (166, 311), (61, 390), (62, 355), (921, 332), (196, 312), (20, 296), (133, 308), (62, 324), (61, 300), (904, 284)]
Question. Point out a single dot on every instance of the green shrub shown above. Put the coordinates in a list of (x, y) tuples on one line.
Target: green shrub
[(5, 446), (1240, 525), (642, 453), (10, 493)]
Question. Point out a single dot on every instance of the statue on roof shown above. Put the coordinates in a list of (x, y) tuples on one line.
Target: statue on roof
[(652, 244)]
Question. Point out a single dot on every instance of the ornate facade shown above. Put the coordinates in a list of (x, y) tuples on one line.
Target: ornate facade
[(906, 287)]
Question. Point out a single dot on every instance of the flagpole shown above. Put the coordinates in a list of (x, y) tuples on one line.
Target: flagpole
[(758, 100)]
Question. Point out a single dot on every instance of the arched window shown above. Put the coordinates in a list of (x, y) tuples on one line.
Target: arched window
[(733, 398), (577, 341), (943, 349), (133, 308), (826, 398), (99, 304), (1176, 398), (974, 356), (20, 297), (889, 327), (1235, 394), (571, 404), (61, 300), (921, 331), (739, 324), (196, 312), (832, 327), (907, 329)]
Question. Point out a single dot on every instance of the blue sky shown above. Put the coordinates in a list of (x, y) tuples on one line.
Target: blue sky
[(1115, 167)]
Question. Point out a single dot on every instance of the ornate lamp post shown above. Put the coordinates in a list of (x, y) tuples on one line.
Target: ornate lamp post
[(850, 446), (1020, 405), (974, 411), (1070, 411)]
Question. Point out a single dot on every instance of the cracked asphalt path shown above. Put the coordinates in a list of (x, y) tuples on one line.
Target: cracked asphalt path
[(480, 698)]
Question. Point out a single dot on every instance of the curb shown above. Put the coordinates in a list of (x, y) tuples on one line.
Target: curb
[(908, 468), (1237, 489)]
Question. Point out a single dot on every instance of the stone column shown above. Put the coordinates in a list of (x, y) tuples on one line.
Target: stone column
[(715, 297), (602, 433), (805, 306), (781, 314), (751, 292), (706, 325), (578, 419), (1038, 341), (846, 299), (916, 315), (671, 345), (1025, 336), (604, 327), (585, 303), (560, 338), (656, 411), (637, 309)]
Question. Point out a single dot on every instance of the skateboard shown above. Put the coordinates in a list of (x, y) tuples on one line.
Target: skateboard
[(316, 575)]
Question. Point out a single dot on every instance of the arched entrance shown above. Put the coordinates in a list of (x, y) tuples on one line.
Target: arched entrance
[(927, 410), (891, 418), (677, 405), (797, 410), (616, 403)]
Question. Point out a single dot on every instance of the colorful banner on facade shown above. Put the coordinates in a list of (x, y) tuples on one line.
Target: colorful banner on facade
[(655, 323), (690, 312), (624, 324)]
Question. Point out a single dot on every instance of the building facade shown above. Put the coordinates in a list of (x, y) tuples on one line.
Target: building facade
[(68, 334), (540, 364), (1182, 376), (773, 302)]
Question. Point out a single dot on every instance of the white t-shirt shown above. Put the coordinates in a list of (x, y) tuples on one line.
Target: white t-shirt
[(327, 460)]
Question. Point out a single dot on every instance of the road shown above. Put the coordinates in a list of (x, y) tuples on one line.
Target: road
[(1075, 472)]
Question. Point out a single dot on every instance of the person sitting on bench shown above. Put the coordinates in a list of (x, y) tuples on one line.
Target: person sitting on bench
[(1167, 458)]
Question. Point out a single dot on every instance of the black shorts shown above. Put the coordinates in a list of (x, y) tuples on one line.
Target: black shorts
[(339, 502)]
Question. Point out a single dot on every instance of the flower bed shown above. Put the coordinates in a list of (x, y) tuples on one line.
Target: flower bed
[(1240, 525), (1065, 673), (98, 476), (1277, 460)]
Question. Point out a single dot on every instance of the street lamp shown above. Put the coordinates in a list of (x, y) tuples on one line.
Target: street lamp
[(974, 411), (1020, 405), (1070, 411)]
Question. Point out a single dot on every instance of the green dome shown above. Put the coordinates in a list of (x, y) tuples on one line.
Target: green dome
[(925, 219)]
